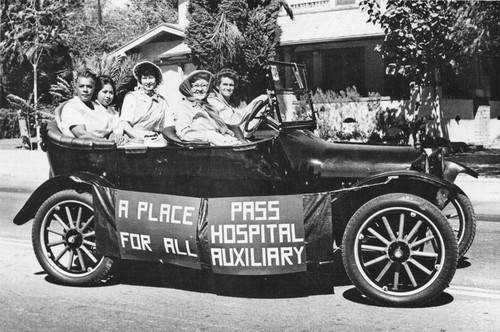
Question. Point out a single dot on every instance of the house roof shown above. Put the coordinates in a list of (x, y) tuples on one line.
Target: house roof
[(325, 26), (152, 34), (179, 50), (317, 26)]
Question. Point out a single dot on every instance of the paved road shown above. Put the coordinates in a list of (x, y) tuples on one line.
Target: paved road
[(143, 299)]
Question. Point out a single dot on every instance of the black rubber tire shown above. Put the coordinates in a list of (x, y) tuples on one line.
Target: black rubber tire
[(67, 253), (460, 214), (376, 259)]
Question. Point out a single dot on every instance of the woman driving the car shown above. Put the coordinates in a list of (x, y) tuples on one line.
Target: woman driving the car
[(223, 100)]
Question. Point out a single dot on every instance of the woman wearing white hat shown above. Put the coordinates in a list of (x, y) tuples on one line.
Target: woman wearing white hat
[(144, 112)]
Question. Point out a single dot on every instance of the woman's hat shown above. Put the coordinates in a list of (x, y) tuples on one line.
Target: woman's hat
[(141, 67)]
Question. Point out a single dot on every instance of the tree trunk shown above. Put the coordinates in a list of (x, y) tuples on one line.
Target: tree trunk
[(441, 125), (99, 16), (1, 84), (35, 85), (38, 123)]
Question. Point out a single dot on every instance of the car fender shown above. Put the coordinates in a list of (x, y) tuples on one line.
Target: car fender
[(411, 176), (353, 196), (453, 168), (80, 181)]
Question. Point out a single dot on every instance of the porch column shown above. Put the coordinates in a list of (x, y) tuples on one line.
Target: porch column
[(317, 69)]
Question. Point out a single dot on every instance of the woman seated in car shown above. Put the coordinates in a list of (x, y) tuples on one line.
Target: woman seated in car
[(83, 117), (197, 120), (105, 92), (145, 113)]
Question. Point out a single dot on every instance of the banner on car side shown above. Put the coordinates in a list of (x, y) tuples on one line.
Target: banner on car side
[(157, 227), (256, 235), (236, 235)]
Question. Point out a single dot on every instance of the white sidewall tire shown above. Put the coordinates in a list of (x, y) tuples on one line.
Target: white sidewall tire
[(360, 272), (42, 239)]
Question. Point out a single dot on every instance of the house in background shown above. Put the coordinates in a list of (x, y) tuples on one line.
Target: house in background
[(334, 41), (164, 45)]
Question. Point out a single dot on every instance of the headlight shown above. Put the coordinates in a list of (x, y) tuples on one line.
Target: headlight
[(436, 162)]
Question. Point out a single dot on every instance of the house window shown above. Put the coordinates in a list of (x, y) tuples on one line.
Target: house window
[(470, 82), (344, 68), (495, 79)]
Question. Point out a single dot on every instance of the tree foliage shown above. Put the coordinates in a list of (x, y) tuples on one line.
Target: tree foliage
[(147, 14), (118, 68), (476, 29), (421, 35), (32, 31), (234, 34), (416, 34), (69, 33), (88, 38), (27, 26)]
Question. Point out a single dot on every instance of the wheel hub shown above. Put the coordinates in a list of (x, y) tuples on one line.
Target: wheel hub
[(74, 239), (399, 252)]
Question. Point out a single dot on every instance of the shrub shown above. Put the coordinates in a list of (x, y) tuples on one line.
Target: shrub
[(9, 127), (334, 108), (393, 127), (118, 68), (10, 120)]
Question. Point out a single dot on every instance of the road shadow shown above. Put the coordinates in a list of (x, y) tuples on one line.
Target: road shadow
[(318, 280), (353, 295), (463, 263)]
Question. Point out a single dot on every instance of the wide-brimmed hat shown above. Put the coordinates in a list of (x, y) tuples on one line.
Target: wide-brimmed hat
[(143, 66)]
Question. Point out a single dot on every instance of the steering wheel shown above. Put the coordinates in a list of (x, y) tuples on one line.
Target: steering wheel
[(253, 116)]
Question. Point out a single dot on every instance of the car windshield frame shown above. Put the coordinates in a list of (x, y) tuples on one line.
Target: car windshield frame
[(290, 96)]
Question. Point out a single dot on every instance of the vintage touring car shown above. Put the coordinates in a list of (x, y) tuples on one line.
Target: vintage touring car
[(280, 204)]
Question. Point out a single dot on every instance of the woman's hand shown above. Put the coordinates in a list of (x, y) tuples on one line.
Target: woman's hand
[(149, 134)]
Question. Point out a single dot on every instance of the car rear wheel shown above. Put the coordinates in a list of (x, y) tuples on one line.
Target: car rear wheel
[(462, 218), (399, 250), (64, 241)]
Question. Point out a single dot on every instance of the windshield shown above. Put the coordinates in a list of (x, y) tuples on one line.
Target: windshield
[(288, 81)]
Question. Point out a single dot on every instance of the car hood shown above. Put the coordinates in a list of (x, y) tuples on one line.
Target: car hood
[(308, 154)]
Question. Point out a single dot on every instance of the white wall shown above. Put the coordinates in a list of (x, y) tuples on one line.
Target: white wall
[(172, 78)]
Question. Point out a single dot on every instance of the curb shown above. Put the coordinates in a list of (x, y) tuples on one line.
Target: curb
[(23, 170), (485, 189)]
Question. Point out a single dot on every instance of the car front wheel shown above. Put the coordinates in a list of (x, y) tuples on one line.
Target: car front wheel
[(64, 241), (399, 250)]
